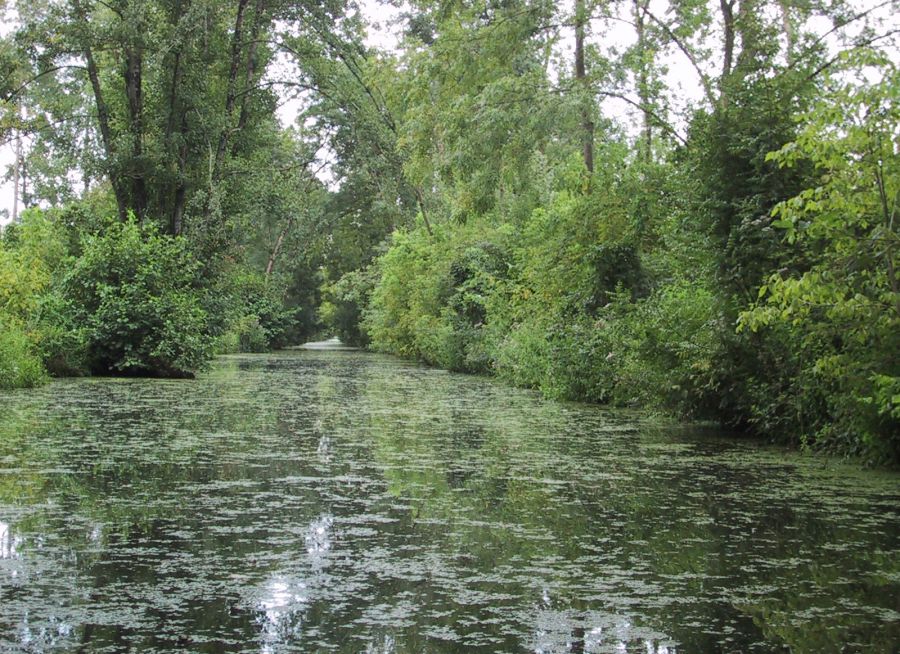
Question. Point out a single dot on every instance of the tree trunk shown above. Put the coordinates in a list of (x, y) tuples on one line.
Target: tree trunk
[(134, 92), (727, 7), (270, 266), (646, 149), (231, 93), (175, 110), (888, 218), (421, 202), (587, 125), (728, 48), (18, 167), (749, 31), (251, 67), (218, 159), (173, 96), (789, 34), (177, 221), (105, 133)]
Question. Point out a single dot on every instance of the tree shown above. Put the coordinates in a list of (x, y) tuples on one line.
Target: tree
[(845, 309), (153, 81)]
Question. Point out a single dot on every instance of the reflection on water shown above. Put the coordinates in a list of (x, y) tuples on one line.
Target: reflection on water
[(281, 612), (336, 501), (8, 543)]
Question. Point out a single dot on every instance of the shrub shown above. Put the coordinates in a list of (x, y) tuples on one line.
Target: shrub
[(20, 367), (665, 347), (259, 319), (61, 339), (251, 336), (346, 301), (137, 295), (431, 301), (843, 310)]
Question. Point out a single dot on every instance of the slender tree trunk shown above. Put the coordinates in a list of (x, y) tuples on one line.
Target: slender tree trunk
[(174, 111), (180, 190), (18, 167), (218, 159), (640, 10), (888, 218), (231, 93), (24, 178), (252, 64), (587, 124), (105, 133), (420, 200), (727, 7), (177, 222), (728, 49), (173, 96), (134, 92), (106, 138), (276, 249), (85, 176), (788, 28), (747, 24)]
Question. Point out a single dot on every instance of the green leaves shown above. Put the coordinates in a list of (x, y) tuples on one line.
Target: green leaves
[(844, 311), (137, 294)]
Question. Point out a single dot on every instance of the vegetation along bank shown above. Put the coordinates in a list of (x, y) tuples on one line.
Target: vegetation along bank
[(514, 188)]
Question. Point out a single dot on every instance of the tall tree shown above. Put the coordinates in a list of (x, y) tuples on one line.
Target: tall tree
[(581, 78)]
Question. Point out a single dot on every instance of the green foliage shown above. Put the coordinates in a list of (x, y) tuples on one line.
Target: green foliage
[(522, 303), (260, 321), (843, 313), (30, 253), (628, 294), (736, 184), (345, 301), (509, 256), (665, 348), (20, 366), (439, 311), (62, 337), (135, 293), (251, 336)]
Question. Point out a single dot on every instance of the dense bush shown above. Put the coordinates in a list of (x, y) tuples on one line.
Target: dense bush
[(842, 311), (431, 301), (136, 295), (257, 318), (665, 348), (30, 253), (20, 366), (61, 336), (344, 303), (86, 294)]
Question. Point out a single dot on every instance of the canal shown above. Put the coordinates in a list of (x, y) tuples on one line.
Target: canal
[(340, 501)]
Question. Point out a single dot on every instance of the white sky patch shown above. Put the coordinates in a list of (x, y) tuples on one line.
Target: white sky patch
[(385, 24)]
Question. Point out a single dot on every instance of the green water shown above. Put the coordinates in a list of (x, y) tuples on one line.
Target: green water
[(326, 501)]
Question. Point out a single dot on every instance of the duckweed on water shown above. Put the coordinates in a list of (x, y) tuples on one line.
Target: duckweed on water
[(326, 501)]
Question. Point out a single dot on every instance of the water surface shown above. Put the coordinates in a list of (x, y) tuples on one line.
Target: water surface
[(337, 501)]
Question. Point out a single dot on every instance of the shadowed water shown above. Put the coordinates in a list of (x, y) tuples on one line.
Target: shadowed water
[(337, 501)]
